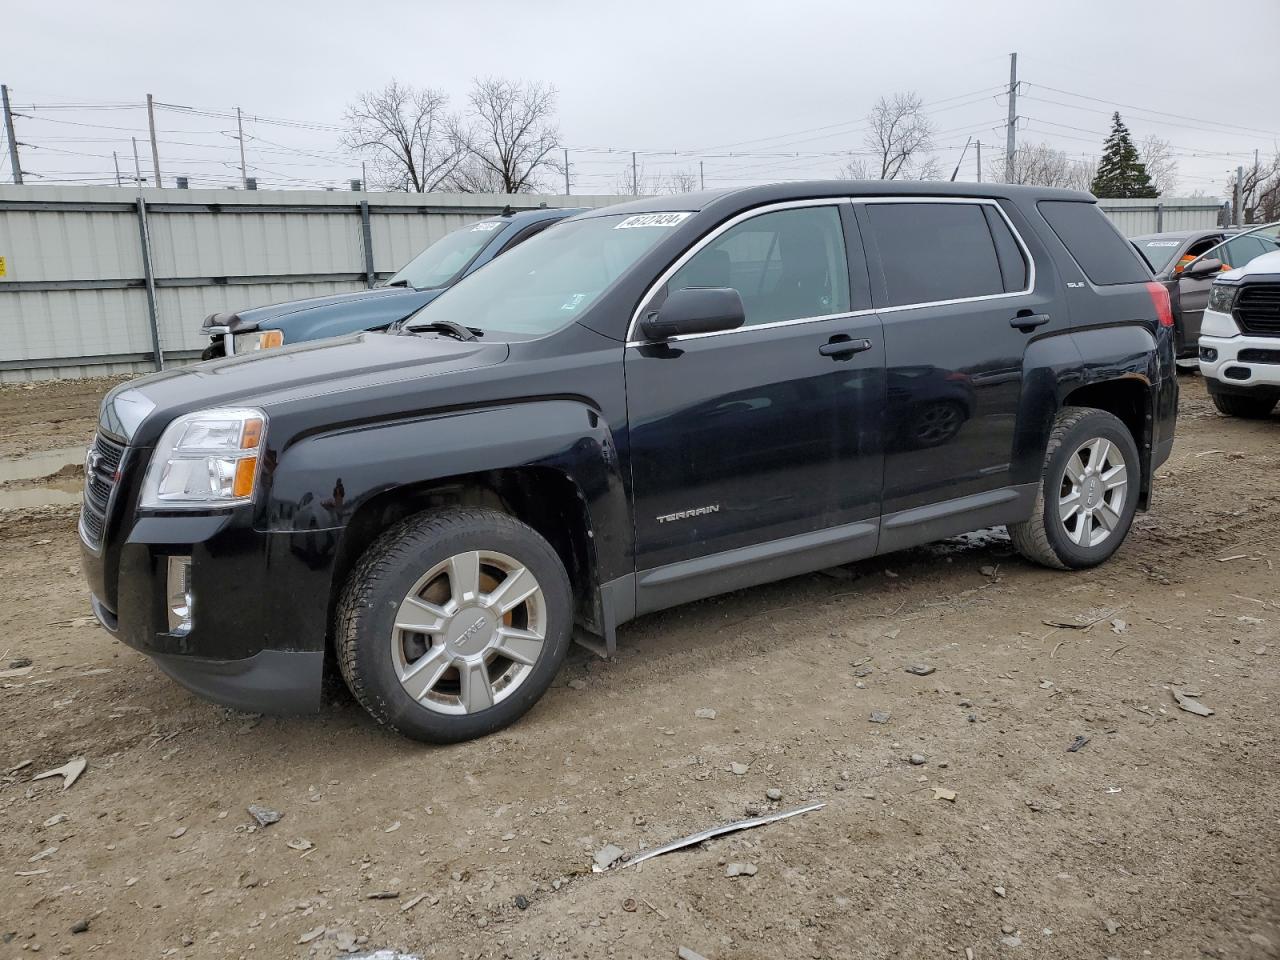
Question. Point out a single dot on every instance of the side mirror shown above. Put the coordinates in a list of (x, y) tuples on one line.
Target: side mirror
[(695, 310), (1202, 268)]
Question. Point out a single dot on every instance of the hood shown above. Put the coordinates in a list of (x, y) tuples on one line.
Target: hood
[(139, 410), (391, 303)]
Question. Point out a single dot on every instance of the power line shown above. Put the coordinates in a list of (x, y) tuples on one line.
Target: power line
[(1127, 106)]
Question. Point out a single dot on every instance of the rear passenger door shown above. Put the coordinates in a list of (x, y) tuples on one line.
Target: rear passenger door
[(956, 293)]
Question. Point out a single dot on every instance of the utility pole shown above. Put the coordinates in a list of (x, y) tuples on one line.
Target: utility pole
[(244, 176), (635, 179), (155, 148), (702, 177), (364, 176), (1012, 128), (1239, 196), (979, 161), (115, 158), (566, 171), (14, 163)]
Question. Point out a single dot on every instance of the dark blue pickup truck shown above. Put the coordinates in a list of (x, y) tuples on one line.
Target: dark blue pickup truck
[(424, 278)]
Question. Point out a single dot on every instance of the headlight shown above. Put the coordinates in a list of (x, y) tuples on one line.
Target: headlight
[(257, 340), (1222, 297), (206, 459)]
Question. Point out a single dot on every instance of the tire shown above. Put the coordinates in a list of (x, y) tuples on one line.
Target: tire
[(1244, 406), (393, 588), (214, 350), (1068, 544)]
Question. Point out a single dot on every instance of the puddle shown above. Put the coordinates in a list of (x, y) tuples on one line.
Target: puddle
[(42, 495), (37, 465)]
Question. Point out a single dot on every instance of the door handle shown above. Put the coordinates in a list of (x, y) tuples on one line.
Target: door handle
[(842, 346), (1026, 321)]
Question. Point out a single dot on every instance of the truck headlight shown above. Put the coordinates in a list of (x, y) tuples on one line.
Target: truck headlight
[(206, 459), (256, 340), (1222, 297)]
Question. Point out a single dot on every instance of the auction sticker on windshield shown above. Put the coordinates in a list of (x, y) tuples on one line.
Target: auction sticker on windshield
[(653, 220), (487, 226)]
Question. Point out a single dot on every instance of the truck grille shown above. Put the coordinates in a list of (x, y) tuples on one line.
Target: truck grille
[(1257, 309), (101, 473)]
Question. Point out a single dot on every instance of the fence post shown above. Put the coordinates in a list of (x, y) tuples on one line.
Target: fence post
[(370, 275), (144, 235), (1159, 218)]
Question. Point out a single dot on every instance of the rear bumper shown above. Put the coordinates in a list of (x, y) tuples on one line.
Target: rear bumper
[(1241, 365)]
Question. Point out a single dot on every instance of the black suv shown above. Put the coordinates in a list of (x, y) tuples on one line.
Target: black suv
[(649, 404)]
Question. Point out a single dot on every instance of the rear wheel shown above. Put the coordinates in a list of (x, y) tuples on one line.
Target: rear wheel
[(454, 623), (1246, 406), (1088, 494)]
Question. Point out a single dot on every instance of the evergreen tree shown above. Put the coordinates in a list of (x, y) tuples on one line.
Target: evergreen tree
[(1121, 172)]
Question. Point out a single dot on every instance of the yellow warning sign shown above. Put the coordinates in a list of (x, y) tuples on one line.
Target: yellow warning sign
[(2, 267)]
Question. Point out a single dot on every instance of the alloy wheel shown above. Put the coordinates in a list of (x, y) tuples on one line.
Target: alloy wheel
[(1092, 494)]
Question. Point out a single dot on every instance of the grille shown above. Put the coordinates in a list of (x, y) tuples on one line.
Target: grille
[(1252, 355), (101, 473), (1257, 309)]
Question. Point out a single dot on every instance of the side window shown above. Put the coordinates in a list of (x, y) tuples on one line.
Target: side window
[(1238, 252), (936, 251), (1013, 263), (785, 265), (1195, 250), (1105, 257)]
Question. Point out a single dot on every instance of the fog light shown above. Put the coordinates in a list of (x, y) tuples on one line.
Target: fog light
[(1208, 354), (179, 592)]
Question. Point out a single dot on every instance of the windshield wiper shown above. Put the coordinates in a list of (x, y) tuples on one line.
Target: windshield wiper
[(447, 327), (399, 283)]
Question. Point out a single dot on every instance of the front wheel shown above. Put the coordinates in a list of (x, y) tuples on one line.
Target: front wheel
[(1088, 494), (454, 623), (1245, 406)]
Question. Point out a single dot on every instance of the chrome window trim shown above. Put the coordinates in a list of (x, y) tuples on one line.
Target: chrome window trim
[(831, 202)]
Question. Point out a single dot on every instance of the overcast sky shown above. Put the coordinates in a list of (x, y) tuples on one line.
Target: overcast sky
[(759, 79)]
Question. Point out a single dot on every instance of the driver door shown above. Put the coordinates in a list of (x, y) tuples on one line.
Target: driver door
[(756, 452)]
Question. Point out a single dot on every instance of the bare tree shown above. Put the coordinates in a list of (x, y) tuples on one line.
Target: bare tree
[(637, 181), (900, 139), (1037, 164), (1162, 165), (859, 168), (406, 134), (682, 181), (509, 136), (1260, 190)]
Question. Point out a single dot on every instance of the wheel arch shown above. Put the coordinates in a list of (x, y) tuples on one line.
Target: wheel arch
[(1129, 399)]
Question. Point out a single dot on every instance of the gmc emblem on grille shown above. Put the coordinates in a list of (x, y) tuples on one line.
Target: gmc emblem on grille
[(91, 460)]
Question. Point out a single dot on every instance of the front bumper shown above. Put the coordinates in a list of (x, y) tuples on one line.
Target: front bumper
[(257, 639), (1242, 364)]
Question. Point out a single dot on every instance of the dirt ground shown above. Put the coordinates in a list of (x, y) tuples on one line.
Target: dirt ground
[(1159, 837)]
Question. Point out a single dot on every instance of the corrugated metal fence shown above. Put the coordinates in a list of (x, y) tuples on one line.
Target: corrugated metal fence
[(74, 296)]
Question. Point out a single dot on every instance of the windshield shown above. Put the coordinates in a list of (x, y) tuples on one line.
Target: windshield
[(1239, 250), (1159, 253), (547, 282), (447, 257)]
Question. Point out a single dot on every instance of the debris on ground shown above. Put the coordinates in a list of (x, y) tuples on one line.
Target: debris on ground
[(412, 902), (264, 815), (740, 870), (16, 672), (1187, 701), (606, 857), (383, 895), (69, 771), (1079, 741), (696, 838), (921, 669), (521, 902), (1119, 626), (879, 716), (1111, 926), (999, 892), (942, 793), (313, 934), (917, 760), (705, 713), (684, 953), (773, 793), (989, 570), (738, 769), (80, 926)]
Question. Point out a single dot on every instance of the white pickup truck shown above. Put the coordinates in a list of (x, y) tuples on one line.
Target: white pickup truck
[(1240, 336)]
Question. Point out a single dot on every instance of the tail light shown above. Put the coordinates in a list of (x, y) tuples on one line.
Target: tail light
[(1160, 300)]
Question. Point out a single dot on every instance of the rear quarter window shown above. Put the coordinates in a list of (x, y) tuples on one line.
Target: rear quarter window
[(1105, 257)]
